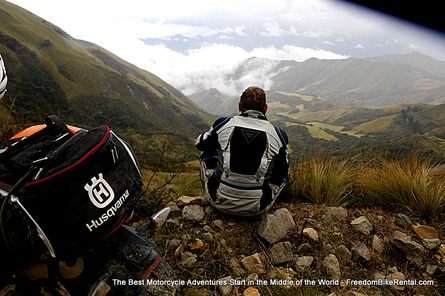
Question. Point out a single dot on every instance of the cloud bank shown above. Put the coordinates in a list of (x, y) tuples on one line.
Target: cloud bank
[(195, 43)]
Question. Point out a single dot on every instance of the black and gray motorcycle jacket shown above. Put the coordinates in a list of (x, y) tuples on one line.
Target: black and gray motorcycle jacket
[(244, 163)]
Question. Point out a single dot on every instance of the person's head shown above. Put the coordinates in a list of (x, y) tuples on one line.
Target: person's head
[(253, 98), (3, 78)]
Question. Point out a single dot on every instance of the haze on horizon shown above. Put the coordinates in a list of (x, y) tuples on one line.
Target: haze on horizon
[(205, 39)]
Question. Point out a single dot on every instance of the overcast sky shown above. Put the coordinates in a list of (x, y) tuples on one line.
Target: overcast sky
[(177, 39)]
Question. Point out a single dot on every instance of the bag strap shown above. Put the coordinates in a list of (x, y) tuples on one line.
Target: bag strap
[(6, 199), (14, 199)]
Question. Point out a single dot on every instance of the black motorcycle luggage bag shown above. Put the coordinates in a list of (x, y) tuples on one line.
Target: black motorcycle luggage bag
[(78, 188)]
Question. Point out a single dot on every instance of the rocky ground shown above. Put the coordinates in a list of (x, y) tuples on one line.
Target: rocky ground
[(298, 249), (302, 249)]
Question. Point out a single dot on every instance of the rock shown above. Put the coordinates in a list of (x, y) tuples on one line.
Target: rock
[(304, 248), (303, 262), (338, 213), (191, 200), (196, 244), (397, 276), (378, 245), (208, 211), (362, 225), (344, 255), (185, 239), (173, 207), (252, 277), (282, 273), (174, 221), (218, 224), (188, 259), (426, 232), (225, 290), (193, 213), (431, 243), (254, 263), (281, 252), (328, 248), (207, 228), (207, 237), (441, 252), (431, 269), (332, 266), (251, 291), (402, 220), (311, 233), (378, 276), (274, 227), (237, 268), (362, 251), (393, 269), (404, 243), (173, 244)]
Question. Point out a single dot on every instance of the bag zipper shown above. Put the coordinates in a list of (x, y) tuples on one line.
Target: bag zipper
[(82, 159)]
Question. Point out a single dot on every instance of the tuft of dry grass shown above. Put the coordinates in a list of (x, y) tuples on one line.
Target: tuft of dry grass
[(323, 180), (411, 183)]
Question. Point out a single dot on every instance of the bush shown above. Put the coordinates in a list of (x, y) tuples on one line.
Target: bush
[(412, 183), (323, 180)]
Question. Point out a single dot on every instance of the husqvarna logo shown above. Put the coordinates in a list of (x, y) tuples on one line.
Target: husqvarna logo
[(100, 192)]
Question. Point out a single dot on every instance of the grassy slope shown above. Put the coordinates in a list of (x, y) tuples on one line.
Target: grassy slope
[(88, 77), (52, 73)]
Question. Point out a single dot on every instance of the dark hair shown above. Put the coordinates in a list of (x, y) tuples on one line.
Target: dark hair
[(253, 98)]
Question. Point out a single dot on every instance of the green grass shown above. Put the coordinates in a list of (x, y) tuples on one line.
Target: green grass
[(375, 126), (336, 128), (307, 98), (327, 116), (53, 73), (320, 133)]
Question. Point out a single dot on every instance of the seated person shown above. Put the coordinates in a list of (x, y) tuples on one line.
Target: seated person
[(244, 160)]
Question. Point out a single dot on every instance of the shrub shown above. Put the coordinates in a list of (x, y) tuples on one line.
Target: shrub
[(411, 183), (323, 180)]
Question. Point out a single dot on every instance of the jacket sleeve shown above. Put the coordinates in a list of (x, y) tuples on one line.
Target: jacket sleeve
[(280, 169), (208, 142)]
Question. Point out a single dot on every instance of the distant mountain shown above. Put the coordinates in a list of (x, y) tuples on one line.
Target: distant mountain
[(360, 82), (52, 73), (215, 102), (415, 59), (355, 82)]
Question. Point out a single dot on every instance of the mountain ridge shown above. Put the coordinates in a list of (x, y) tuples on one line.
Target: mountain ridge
[(52, 73), (360, 82)]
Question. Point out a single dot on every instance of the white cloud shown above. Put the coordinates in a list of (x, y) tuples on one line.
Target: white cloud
[(290, 52), (121, 26), (207, 66), (359, 46), (272, 29), (235, 30)]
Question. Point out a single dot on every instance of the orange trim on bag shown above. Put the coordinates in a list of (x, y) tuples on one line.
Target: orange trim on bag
[(37, 128)]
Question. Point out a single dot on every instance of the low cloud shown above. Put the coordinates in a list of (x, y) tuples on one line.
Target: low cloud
[(208, 66), (295, 30)]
